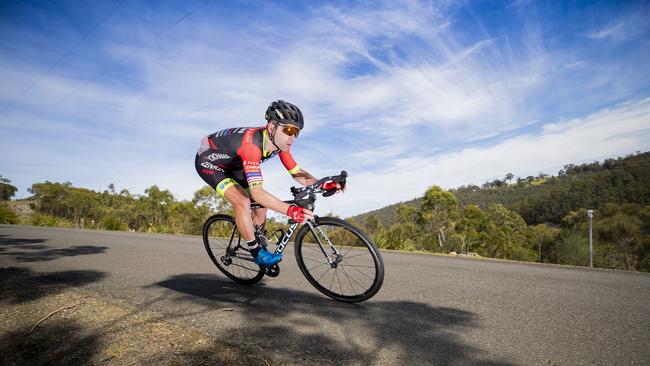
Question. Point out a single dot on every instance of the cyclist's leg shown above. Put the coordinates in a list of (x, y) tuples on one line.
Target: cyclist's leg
[(226, 184), (259, 216), (238, 199)]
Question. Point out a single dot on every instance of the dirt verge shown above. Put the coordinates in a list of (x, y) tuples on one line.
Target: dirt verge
[(44, 322)]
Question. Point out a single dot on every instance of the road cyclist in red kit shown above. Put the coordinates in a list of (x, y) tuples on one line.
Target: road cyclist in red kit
[(230, 162)]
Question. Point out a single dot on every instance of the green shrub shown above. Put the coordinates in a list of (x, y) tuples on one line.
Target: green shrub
[(50, 221), (7, 216), (524, 254), (573, 249), (113, 223)]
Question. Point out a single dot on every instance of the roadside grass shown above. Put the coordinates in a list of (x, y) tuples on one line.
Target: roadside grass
[(59, 326)]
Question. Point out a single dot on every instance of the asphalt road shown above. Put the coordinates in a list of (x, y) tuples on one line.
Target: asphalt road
[(431, 310)]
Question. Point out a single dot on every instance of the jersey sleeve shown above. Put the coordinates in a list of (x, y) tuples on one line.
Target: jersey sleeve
[(288, 162), (250, 157)]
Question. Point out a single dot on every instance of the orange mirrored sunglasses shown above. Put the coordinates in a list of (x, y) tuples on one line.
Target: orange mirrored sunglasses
[(291, 130)]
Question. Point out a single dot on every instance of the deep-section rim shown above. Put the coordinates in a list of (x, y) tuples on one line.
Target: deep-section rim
[(379, 264)]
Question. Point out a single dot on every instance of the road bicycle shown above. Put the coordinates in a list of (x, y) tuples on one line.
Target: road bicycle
[(336, 257)]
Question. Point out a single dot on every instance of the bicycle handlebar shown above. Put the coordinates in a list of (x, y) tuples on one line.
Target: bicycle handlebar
[(316, 187)]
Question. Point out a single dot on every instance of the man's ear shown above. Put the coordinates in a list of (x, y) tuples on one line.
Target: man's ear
[(271, 126)]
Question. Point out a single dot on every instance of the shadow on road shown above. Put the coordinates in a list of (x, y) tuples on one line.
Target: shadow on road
[(7, 240), (20, 285), (30, 250), (416, 332), (92, 333)]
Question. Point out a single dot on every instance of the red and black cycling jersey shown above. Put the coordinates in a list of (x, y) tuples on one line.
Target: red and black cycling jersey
[(237, 153)]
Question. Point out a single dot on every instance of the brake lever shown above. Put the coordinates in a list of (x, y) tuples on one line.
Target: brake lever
[(339, 179)]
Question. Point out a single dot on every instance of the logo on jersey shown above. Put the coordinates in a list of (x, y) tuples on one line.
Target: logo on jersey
[(250, 165), (252, 171), (216, 156), (208, 165)]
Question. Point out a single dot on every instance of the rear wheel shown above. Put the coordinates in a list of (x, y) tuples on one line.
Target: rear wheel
[(228, 250), (339, 260)]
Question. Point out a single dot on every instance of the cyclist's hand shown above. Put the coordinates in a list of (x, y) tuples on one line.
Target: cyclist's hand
[(332, 186), (299, 214)]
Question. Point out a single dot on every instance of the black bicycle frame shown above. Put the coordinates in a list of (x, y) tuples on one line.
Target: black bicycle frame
[(287, 236), (292, 228)]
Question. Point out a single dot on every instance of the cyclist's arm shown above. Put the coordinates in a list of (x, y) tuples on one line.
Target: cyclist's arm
[(264, 198), (303, 177), (250, 156), (299, 175)]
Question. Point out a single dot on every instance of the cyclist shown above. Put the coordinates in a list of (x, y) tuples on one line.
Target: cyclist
[(229, 161)]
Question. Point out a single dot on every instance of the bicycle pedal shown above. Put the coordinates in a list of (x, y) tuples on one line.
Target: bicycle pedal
[(272, 271)]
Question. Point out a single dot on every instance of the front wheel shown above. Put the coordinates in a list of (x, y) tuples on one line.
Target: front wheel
[(339, 260), (228, 251)]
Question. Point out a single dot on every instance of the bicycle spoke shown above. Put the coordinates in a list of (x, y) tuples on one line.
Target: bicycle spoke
[(350, 278), (336, 272), (320, 265), (315, 250), (361, 272), (332, 282), (349, 250), (350, 282), (240, 266), (324, 273), (317, 261), (223, 240), (357, 266), (356, 255)]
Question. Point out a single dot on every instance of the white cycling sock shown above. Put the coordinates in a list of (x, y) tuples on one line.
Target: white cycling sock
[(252, 244), (254, 247)]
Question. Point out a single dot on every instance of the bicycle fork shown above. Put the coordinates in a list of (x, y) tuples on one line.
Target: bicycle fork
[(333, 263)]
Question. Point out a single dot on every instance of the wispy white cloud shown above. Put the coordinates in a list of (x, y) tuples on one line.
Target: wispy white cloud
[(402, 95), (610, 132), (623, 29)]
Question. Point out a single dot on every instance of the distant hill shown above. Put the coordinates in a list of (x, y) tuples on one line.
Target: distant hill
[(547, 199)]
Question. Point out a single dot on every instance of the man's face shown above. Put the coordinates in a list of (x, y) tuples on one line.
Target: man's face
[(282, 138)]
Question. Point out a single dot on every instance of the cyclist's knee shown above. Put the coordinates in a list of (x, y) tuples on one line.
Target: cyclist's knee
[(241, 203), (237, 197), (260, 211)]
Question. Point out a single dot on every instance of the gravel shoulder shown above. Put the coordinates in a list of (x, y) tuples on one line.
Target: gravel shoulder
[(45, 322)]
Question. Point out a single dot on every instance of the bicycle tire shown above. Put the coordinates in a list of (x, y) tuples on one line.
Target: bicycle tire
[(226, 253), (351, 243)]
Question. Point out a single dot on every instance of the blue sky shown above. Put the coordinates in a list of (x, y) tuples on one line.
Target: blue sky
[(402, 95)]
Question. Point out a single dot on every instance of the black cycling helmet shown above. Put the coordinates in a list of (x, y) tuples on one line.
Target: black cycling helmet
[(285, 113)]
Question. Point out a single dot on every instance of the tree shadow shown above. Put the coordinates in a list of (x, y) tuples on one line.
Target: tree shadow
[(8, 240), (31, 250), (57, 342), (51, 254), (21, 285), (417, 332)]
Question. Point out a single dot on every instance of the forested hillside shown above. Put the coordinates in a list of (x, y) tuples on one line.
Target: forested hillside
[(548, 199), (541, 218), (544, 199)]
